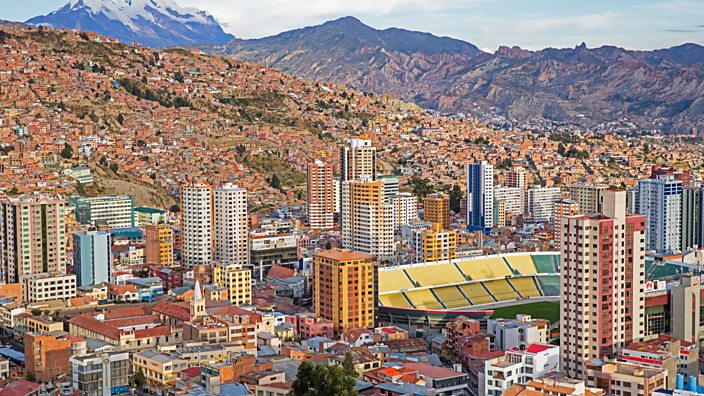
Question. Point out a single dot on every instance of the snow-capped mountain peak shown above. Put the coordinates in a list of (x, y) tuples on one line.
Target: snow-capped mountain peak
[(156, 23)]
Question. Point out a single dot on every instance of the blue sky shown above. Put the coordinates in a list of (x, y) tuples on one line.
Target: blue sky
[(531, 24)]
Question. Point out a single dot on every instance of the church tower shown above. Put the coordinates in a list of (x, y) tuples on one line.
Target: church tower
[(198, 302)]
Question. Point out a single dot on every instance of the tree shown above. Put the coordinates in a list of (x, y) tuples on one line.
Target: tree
[(456, 196), (138, 378), (328, 245), (31, 377), (275, 182), (348, 366), (174, 208), (37, 312), (120, 118), (80, 189), (322, 380), (420, 187), (113, 167), (561, 149), (67, 151)]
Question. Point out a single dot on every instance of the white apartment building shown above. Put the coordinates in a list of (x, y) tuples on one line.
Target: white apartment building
[(524, 330), (337, 194), (358, 160), (197, 230), (519, 366), (45, 286), (512, 198), (231, 224), (115, 210), (100, 373), (587, 196), (321, 196), (367, 222), (391, 187), (660, 200), (405, 206), (540, 202)]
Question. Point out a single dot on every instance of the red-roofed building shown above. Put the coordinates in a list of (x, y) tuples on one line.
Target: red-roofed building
[(670, 353), (129, 329), (21, 388), (277, 271), (443, 380)]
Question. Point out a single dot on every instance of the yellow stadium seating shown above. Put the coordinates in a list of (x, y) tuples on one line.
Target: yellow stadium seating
[(451, 297), (523, 264), (476, 293), (493, 267), (439, 274), (501, 290), (423, 299), (525, 286), (395, 279), (396, 300)]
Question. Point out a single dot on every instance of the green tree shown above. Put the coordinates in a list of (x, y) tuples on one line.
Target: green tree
[(275, 182), (456, 196), (174, 208), (67, 151), (138, 378), (328, 245), (322, 380), (31, 377), (113, 167), (561, 149), (37, 312), (348, 366), (420, 187), (80, 189)]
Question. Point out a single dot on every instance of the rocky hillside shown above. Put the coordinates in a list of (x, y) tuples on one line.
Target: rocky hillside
[(661, 89), (347, 51)]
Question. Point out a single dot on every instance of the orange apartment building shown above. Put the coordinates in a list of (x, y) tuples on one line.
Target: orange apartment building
[(436, 209), (46, 356), (345, 288), (160, 245)]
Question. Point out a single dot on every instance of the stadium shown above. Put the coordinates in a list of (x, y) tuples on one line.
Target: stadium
[(430, 294)]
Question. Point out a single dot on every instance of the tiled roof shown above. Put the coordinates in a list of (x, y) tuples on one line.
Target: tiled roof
[(277, 271)]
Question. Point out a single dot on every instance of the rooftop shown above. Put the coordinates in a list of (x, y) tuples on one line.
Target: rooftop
[(343, 255)]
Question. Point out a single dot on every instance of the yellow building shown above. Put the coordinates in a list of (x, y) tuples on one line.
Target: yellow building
[(160, 245), (344, 288), (236, 279), (38, 324), (436, 244), (436, 209), (160, 370)]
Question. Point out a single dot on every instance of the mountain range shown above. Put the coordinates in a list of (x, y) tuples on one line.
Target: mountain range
[(660, 89), (153, 23)]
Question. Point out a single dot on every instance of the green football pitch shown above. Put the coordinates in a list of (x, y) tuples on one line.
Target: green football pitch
[(542, 310)]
